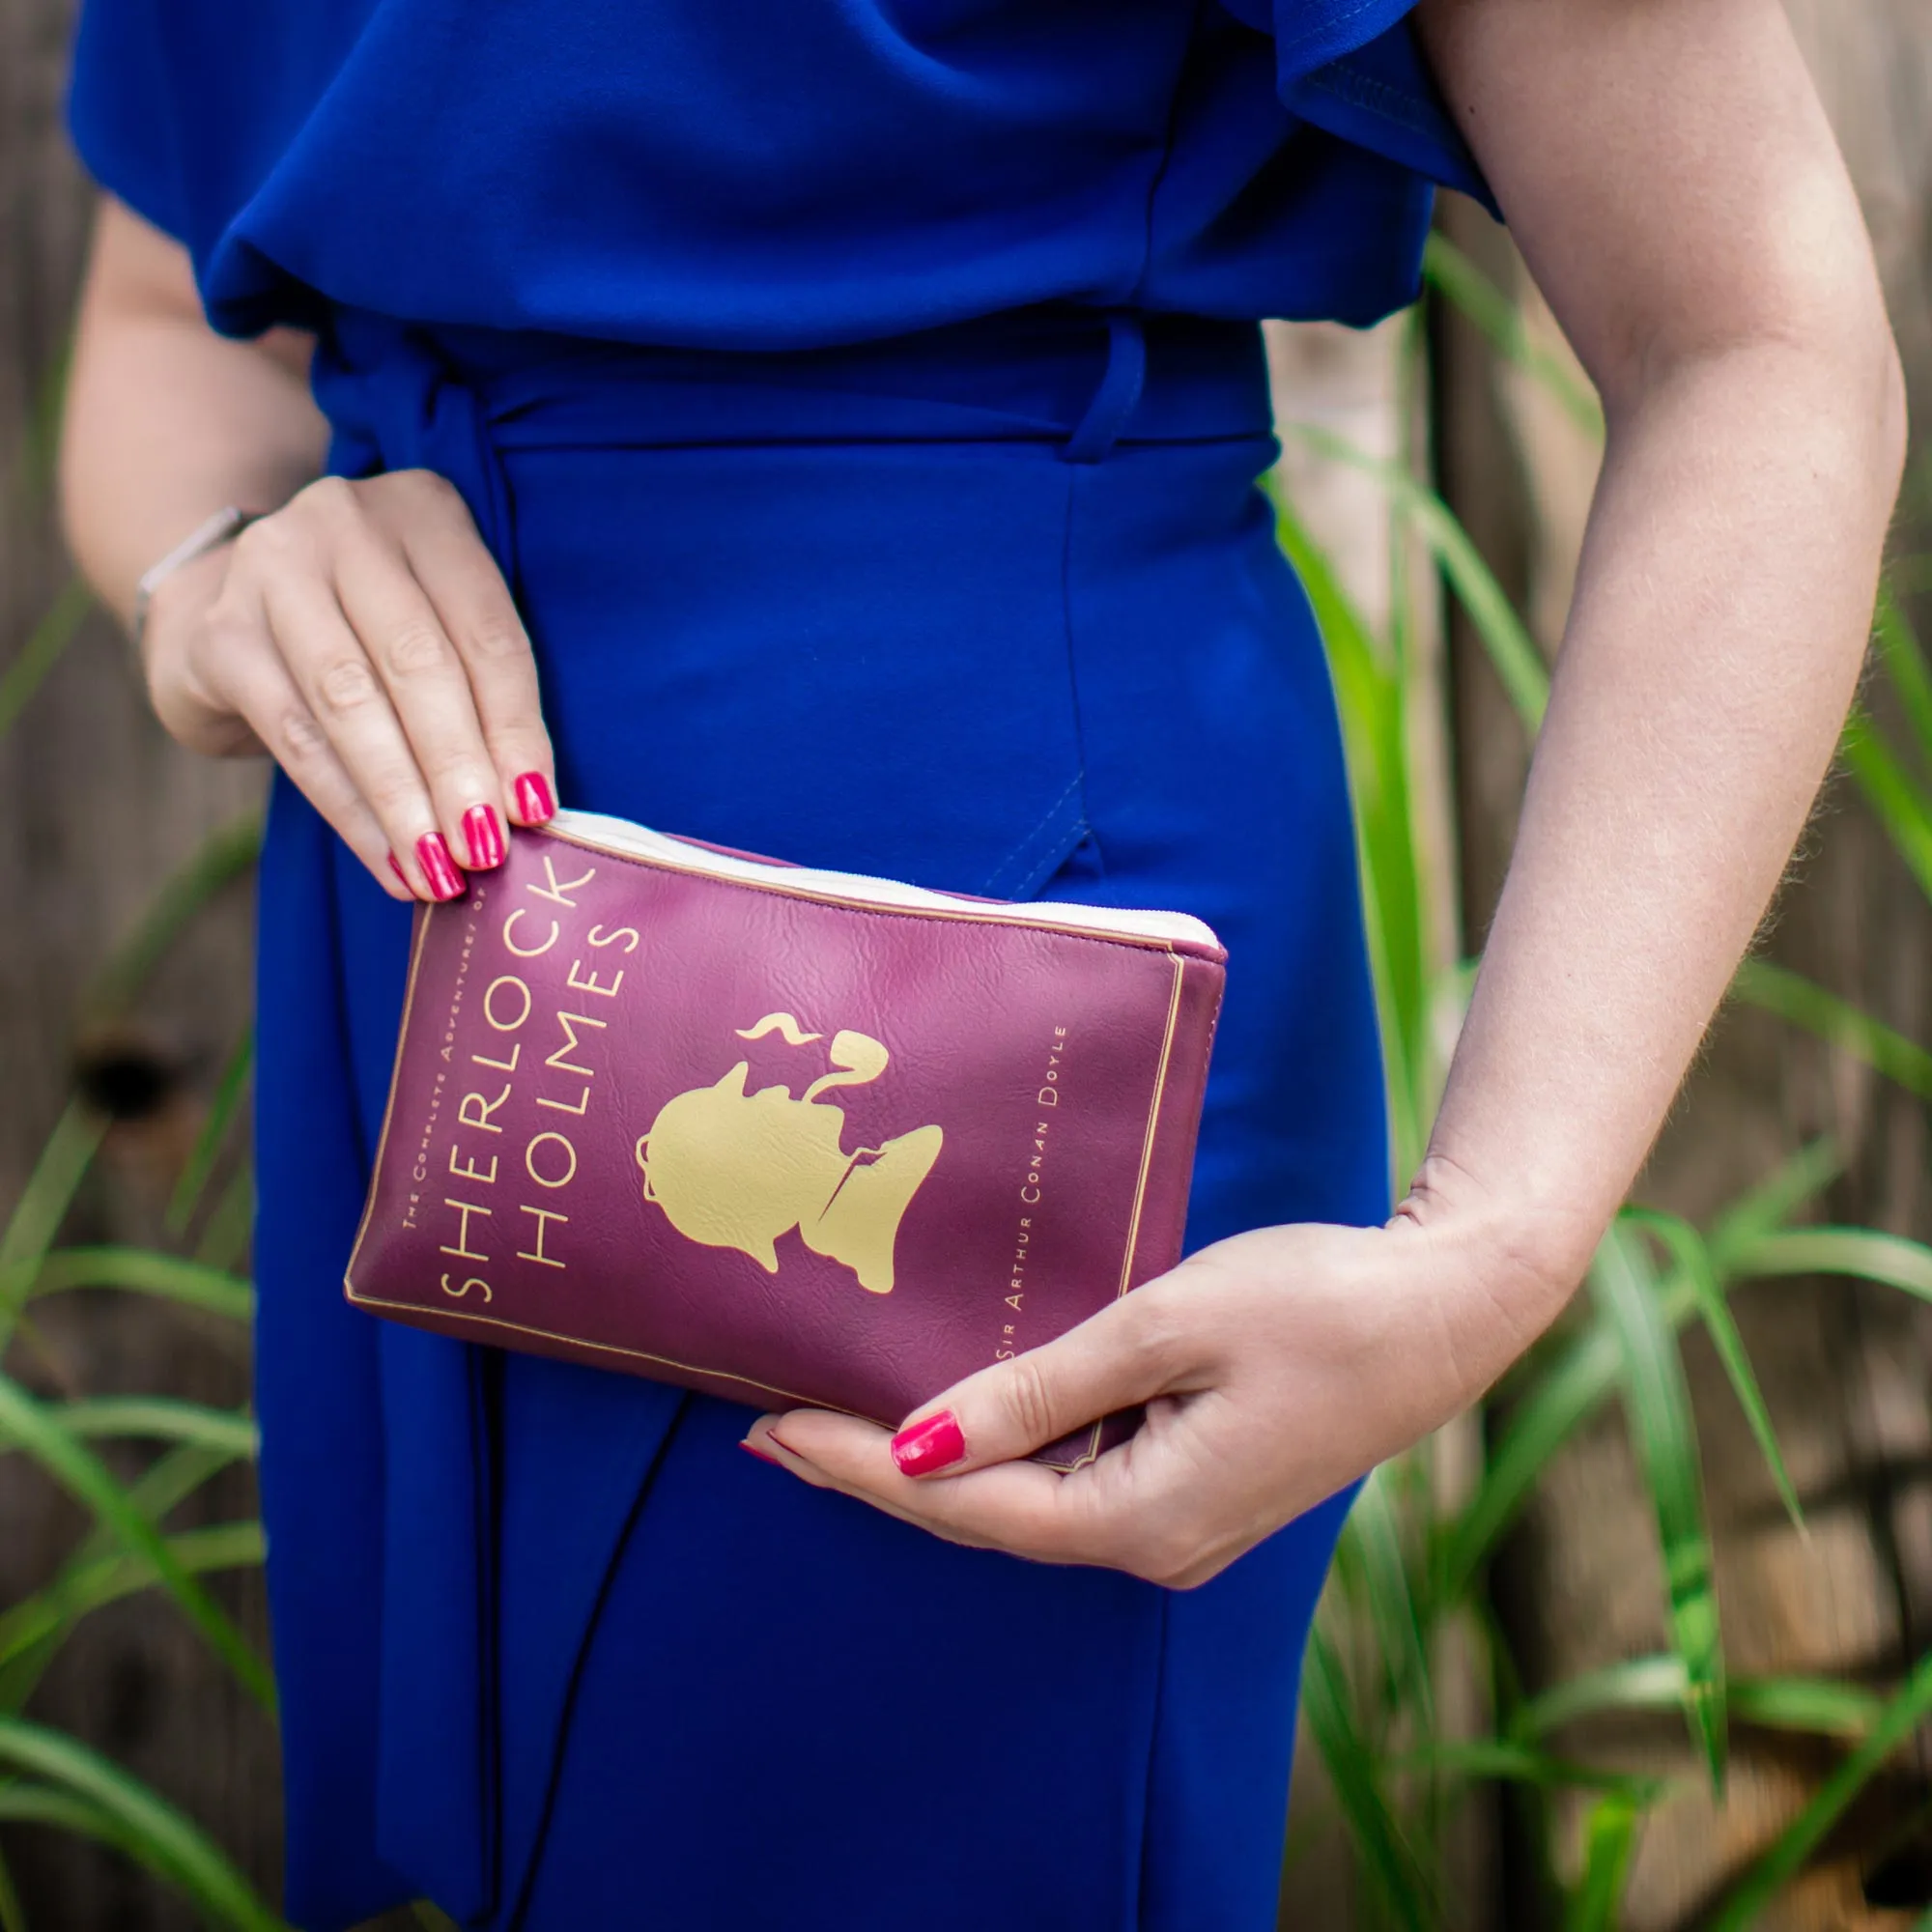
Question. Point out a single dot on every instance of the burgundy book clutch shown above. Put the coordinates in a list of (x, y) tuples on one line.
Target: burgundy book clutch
[(785, 1136)]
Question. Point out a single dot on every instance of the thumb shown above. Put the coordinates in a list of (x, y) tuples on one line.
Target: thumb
[(1121, 1357)]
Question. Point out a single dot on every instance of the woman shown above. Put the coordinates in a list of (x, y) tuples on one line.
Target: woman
[(831, 430)]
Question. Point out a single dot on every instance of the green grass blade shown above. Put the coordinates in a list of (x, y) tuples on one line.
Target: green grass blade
[(1411, 413), (159, 1418), (1893, 1260), (27, 671), (1792, 997), (1786, 1856), (1657, 1402), (1637, 1684), (139, 1271), (1895, 795), (1909, 576), (1509, 646), (1686, 1249), (1396, 891), (199, 1166), (1374, 1533), (34, 1429), (1814, 1706), (1582, 1376), (1767, 1205), (1510, 1761), (30, 1803), (1582, 1373), (1383, 1852), (224, 855), (163, 1485), (1903, 656), (49, 1613), (1447, 269), (1610, 1839), (51, 1188), (230, 1225), (144, 1822), (13, 1914), (169, 1479), (43, 1206)]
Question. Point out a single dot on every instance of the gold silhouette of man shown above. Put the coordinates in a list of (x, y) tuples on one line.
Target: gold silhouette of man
[(737, 1170)]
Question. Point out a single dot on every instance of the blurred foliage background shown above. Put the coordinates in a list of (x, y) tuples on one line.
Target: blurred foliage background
[(1641, 1645)]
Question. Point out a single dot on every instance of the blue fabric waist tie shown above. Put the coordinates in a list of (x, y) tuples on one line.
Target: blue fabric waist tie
[(456, 400)]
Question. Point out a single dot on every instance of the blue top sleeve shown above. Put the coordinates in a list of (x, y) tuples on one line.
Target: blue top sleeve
[(120, 101), (1355, 71), (1380, 96)]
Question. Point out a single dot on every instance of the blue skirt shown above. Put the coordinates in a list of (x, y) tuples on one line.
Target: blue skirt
[(997, 610)]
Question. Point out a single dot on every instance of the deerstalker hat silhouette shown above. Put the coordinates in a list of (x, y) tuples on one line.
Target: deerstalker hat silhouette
[(732, 1169)]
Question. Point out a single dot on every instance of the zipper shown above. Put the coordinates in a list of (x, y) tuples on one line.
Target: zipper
[(624, 840)]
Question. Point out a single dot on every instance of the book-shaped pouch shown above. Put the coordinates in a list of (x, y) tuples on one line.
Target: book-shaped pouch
[(785, 1136)]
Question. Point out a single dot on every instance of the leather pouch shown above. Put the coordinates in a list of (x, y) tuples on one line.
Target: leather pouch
[(785, 1136)]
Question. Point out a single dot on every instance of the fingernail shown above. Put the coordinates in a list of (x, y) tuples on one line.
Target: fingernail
[(402, 876), (935, 1444), (483, 834), (445, 882), (772, 1435), (752, 1449), (534, 804)]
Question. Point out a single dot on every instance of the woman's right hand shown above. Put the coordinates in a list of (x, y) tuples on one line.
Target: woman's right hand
[(363, 637)]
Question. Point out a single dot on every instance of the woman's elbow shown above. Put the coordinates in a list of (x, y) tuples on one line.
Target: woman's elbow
[(1811, 351)]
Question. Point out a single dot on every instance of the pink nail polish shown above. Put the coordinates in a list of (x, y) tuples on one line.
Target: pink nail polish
[(402, 877), (752, 1449), (483, 834), (534, 804), (445, 882), (936, 1443)]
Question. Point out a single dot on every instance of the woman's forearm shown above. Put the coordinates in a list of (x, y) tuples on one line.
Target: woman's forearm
[(1694, 230), (166, 421), (359, 633), (1720, 621)]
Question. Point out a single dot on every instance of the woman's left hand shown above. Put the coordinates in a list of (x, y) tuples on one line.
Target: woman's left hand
[(1276, 1367)]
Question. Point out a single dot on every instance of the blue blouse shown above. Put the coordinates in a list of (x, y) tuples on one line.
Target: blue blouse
[(769, 174)]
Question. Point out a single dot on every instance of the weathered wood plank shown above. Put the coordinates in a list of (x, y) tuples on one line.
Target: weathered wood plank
[(96, 807)]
